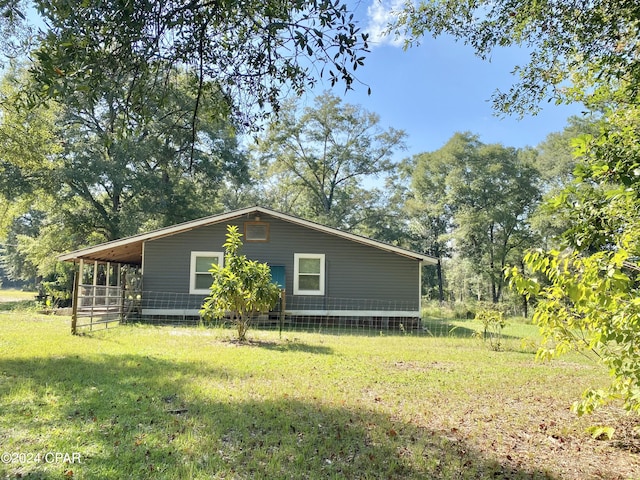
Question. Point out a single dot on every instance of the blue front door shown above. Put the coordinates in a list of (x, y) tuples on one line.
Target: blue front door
[(277, 275)]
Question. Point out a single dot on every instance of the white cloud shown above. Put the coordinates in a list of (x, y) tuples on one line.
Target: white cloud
[(380, 13)]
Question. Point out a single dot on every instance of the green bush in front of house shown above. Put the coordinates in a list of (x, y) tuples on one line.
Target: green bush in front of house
[(241, 289)]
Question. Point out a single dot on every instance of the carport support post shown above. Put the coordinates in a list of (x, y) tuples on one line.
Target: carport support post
[(122, 283), (74, 306), (107, 286)]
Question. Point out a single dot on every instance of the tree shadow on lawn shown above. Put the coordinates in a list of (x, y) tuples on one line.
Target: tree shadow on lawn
[(437, 327), (136, 417), (17, 305), (289, 346)]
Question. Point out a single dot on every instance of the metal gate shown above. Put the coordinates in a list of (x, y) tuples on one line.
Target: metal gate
[(98, 307)]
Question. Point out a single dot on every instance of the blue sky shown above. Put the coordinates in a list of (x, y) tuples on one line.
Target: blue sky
[(441, 87)]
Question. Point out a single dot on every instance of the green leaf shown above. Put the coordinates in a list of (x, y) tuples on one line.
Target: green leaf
[(598, 432)]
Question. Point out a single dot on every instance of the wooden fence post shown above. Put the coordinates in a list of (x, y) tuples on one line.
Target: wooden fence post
[(283, 304)]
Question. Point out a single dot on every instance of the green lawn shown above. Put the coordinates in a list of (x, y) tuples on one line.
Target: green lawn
[(181, 403), (11, 299), (11, 294)]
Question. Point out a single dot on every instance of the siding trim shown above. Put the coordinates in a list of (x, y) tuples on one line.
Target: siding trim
[(420, 287)]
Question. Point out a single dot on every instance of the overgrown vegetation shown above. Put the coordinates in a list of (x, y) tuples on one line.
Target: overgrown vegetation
[(588, 288), (584, 269), (142, 402)]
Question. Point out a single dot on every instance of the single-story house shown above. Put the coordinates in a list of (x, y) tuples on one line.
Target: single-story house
[(324, 272)]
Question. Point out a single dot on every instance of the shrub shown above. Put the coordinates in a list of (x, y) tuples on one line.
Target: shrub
[(241, 289), (493, 323)]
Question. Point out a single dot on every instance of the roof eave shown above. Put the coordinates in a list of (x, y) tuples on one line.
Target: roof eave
[(182, 227)]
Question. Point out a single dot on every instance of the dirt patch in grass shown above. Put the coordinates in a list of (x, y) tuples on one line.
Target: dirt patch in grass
[(536, 433), (423, 367)]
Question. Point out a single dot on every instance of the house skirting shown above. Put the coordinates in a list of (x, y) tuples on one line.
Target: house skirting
[(178, 312)]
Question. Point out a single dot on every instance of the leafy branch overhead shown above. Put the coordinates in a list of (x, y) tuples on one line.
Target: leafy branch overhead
[(252, 51)]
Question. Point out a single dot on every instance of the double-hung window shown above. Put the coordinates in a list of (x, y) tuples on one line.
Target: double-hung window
[(308, 274), (200, 277)]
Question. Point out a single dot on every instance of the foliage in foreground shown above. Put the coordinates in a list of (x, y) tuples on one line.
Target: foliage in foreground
[(589, 294), (587, 52), (242, 288)]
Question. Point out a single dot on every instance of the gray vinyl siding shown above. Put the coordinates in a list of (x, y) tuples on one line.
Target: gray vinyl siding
[(352, 270)]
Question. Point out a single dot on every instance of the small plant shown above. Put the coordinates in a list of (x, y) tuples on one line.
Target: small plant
[(493, 323), (241, 289), (599, 432)]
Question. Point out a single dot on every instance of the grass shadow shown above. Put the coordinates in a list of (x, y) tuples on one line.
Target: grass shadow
[(291, 346), (18, 305), (437, 327), (136, 416)]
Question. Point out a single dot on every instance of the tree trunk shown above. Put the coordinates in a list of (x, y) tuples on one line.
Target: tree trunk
[(440, 287), (525, 302)]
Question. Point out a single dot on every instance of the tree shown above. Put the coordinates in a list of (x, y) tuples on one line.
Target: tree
[(556, 164), (319, 159), (479, 197), (130, 168), (556, 161), (589, 298), (16, 32), (429, 209), (117, 171), (241, 288), (88, 171), (29, 152), (587, 287), (585, 51), (251, 50), (30, 148), (570, 43)]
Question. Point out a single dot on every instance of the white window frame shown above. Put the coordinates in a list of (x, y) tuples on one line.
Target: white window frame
[(296, 273), (192, 270)]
